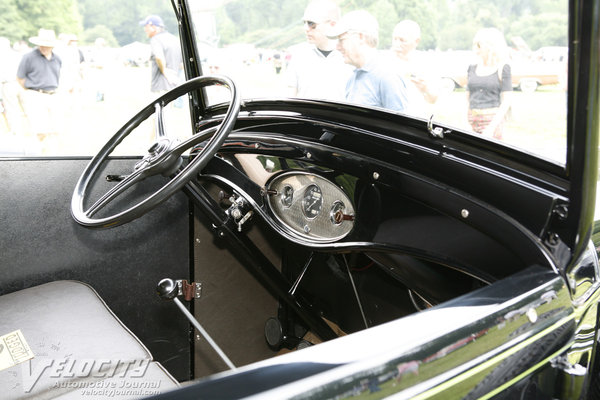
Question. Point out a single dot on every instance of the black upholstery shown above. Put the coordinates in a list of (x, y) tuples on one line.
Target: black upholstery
[(40, 242), (81, 348)]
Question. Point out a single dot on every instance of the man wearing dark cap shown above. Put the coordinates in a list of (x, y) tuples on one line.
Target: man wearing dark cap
[(166, 57)]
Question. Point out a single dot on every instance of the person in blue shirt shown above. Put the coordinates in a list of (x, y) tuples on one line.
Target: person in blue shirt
[(374, 81)]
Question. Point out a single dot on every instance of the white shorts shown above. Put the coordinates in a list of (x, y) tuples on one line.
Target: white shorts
[(41, 110)]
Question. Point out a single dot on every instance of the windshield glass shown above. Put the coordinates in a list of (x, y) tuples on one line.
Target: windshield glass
[(495, 69), (71, 75)]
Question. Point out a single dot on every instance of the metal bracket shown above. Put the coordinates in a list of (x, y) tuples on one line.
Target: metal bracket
[(189, 291), (438, 132), (236, 211), (561, 211), (562, 363), (167, 289)]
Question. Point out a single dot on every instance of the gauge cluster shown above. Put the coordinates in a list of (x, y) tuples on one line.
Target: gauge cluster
[(310, 206)]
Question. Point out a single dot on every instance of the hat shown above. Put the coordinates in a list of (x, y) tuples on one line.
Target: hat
[(356, 21), (45, 38), (315, 12), (152, 20), (67, 37)]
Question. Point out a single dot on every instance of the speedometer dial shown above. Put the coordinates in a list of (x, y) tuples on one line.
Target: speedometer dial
[(312, 201)]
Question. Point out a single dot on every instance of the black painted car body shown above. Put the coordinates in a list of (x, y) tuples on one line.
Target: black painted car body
[(442, 217), (393, 261)]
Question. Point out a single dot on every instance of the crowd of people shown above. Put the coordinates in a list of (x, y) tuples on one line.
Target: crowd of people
[(40, 86), (339, 61), (30, 81)]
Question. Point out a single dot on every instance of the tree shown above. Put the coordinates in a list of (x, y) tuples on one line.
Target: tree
[(427, 13), (12, 24), (537, 21), (21, 19), (122, 17), (542, 30), (457, 37), (385, 13), (89, 36), (61, 16), (245, 21)]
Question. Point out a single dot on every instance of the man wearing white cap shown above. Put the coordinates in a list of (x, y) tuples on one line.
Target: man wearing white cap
[(317, 70), (38, 74), (374, 81)]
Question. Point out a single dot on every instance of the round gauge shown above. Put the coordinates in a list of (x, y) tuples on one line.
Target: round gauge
[(287, 195), (337, 212), (312, 201)]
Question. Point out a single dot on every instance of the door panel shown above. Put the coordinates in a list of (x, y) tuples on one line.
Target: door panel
[(40, 242)]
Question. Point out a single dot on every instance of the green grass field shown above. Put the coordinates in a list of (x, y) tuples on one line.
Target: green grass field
[(537, 121)]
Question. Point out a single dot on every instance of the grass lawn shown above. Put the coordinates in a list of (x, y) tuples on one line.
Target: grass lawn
[(537, 121)]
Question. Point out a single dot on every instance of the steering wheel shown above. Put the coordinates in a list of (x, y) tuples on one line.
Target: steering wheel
[(164, 157)]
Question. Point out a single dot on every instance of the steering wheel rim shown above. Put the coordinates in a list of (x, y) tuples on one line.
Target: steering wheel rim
[(164, 157)]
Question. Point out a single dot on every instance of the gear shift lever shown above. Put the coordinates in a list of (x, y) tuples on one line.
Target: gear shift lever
[(169, 290)]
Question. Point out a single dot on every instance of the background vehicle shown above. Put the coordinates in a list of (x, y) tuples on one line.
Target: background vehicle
[(527, 75)]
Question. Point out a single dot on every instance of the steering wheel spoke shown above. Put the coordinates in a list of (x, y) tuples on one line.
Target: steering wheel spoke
[(189, 143), (158, 121), (114, 192), (165, 157)]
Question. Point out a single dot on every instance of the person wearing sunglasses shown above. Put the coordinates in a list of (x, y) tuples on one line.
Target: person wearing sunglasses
[(316, 69)]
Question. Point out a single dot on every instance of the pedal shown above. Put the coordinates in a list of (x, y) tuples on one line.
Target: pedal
[(274, 333)]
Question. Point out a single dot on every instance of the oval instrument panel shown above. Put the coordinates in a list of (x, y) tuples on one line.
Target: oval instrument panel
[(311, 206)]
